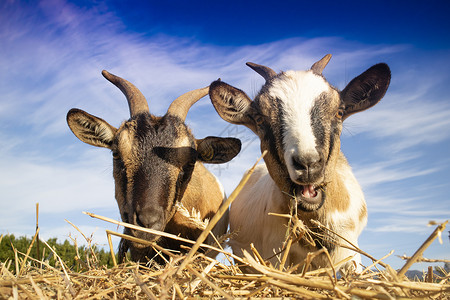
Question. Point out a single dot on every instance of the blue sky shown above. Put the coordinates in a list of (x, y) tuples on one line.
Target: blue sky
[(52, 53)]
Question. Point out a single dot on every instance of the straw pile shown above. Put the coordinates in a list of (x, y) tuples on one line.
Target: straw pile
[(206, 277), (195, 275)]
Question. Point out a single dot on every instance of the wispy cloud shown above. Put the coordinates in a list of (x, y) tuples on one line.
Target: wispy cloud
[(392, 169), (406, 123), (403, 224)]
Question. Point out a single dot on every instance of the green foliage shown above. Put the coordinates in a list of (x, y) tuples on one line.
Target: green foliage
[(442, 271), (76, 259)]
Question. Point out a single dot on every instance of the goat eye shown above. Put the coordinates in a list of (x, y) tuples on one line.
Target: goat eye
[(115, 155), (259, 120), (340, 113)]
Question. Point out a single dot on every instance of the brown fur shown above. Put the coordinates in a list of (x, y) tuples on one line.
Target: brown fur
[(157, 164)]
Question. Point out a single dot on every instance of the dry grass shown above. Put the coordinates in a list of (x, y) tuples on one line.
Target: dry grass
[(195, 275), (206, 277)]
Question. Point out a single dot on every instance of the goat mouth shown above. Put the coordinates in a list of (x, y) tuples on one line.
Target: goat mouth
[(309, 197)]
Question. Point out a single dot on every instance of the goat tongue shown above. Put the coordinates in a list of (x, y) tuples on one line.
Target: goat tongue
[(309, 191)]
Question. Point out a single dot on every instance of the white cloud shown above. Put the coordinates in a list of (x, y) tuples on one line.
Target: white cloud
[(58, 187), (391, 170), (403, 224)]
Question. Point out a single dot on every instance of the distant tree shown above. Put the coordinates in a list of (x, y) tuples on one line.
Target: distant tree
[(68, 253), (6, 251), (442, 271)]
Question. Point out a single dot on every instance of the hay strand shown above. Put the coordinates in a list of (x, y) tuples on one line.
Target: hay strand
[(36, 235), (111, 249), (223, 208), (437, 232)]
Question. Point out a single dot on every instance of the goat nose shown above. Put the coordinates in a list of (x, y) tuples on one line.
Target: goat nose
[(307, 163), (147, 219)]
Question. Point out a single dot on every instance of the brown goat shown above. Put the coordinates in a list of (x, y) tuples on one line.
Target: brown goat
[(157, 164)]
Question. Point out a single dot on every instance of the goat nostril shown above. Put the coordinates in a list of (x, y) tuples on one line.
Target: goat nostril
[(297, 163), (307, 163), (139, 221)]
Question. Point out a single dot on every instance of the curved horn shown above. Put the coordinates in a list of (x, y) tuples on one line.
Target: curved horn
[(182, 104), (318, 67), (264, 71), (136, 101)]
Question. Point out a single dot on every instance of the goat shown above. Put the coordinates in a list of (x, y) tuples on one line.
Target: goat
[(298, 117), (157, 165)]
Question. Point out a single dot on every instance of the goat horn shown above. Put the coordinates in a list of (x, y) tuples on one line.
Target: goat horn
[(318, 67), (182, 104), (136, 101), (264, 71)]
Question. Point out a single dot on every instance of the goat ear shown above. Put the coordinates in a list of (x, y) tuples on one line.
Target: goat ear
[(232, 104), (366, 90), (216, 150), (90, 129)]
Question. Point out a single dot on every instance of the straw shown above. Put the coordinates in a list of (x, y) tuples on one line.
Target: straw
[(218, 215), (425, 245)]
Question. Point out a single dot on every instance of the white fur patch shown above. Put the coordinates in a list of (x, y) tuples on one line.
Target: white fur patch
[(298, 91)]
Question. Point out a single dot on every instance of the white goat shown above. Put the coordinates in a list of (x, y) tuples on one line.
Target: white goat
[(298, 117)]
